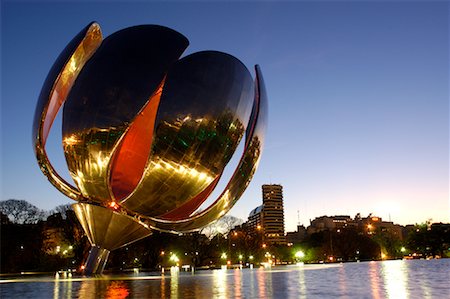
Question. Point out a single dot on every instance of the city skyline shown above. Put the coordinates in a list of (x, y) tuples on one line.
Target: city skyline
[(358, 97)]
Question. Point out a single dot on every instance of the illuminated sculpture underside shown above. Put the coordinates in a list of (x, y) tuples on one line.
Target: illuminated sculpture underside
[(147, 135)]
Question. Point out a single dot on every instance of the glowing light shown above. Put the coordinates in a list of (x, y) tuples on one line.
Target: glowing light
[(174, 258), (299, 254), (223, 256), (71, 140), (113, 205)]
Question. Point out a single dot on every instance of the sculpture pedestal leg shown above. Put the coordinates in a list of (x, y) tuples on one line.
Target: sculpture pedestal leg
[(96, 260)]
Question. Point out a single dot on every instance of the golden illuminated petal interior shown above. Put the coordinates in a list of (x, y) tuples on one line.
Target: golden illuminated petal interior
[(204, 108), (240, 178), (183, 211), (54, 93), (131, 156), (121, 78)]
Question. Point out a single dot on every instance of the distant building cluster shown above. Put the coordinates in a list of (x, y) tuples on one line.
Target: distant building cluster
[(268, 220), (369, 225)]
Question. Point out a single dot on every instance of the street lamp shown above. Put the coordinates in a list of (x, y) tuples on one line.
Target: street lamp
[(299, 255)]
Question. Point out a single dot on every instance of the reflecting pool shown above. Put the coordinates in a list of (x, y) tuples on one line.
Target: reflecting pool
[(387, 279)]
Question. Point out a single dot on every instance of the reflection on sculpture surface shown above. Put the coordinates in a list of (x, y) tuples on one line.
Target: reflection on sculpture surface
[(147, 135)]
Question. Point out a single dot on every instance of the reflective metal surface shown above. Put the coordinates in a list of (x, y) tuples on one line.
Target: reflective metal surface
[(57, 85), (113, 88), (107, 228), (147, 135), (203, 113), (242, 175), (96, 261)]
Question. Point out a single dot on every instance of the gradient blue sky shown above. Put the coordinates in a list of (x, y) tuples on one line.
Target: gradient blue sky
[(358, 96)]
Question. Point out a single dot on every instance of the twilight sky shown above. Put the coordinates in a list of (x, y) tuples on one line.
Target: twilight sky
[(358, 97)]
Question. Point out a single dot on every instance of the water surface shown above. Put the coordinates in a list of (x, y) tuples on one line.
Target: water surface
[(387, 279)]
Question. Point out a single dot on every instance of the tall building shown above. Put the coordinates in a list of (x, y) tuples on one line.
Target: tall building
[(272, 214)]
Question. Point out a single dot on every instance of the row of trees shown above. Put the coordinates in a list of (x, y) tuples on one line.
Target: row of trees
[(31, 243), (422, 241), (37, 240)]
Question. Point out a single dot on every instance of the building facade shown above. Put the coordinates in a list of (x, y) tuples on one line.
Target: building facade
[(272, 214)]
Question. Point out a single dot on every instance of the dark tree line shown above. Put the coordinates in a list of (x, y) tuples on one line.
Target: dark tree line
[(430, 240), (47, 245), (344, 245), (35, 240)]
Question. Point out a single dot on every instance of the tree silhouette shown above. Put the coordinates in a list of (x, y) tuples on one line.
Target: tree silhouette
[(21, 211)]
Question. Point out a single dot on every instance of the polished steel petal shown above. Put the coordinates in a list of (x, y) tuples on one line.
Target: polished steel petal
[(57, 85), (205, 105), (108, 229), (241, 177), (115, 85)]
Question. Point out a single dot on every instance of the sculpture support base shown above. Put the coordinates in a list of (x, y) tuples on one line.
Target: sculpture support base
[(96, 260)]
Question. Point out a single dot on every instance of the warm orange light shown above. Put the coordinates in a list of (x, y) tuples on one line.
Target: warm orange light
[(228, 262), (82, 267), (331, 258), (235, 234), (375, 218), (264, 245), (113, 205), (258, 227)]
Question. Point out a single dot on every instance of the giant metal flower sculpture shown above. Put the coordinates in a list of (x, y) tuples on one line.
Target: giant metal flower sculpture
[(147, 135)]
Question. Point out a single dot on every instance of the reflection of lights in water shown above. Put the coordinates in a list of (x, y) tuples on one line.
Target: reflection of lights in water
[(374, 279), (174, 281), (342, 281), (67, 287), (237, 283), (265, 283), (301, 281), (163, 286), (117, 290), (56, 289), (394, 275), (220, 283)]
